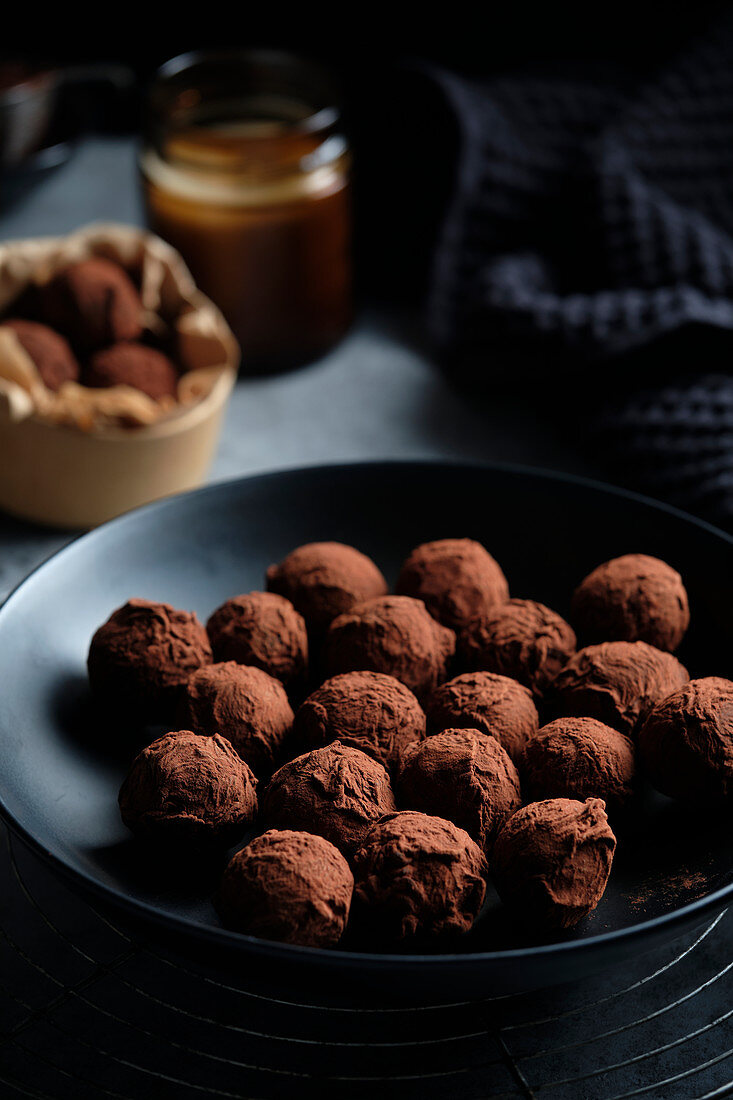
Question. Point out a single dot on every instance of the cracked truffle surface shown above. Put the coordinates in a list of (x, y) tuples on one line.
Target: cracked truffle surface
[(243, 704), (457, 580), (616, 682), (464, 776), (135, 365), (493, 704), (686, 743), (325, 579), (143, 655), (51, 354), (579, 758), (371, 711), (418, 878), (337, 792), (188, 789), (632, 598), (551, 861), (523, 640), (394, 635), (264, 630), (94, 302), (287, 886)]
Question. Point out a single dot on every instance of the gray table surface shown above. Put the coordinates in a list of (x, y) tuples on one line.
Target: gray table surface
[(376, 395)]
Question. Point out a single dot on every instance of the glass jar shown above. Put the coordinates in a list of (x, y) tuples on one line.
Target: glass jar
[(246, 172)]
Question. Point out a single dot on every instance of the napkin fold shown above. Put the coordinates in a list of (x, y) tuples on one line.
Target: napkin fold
[(590, 236)]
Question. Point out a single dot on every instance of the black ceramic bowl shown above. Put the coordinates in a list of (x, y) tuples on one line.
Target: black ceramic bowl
[(60, 769)]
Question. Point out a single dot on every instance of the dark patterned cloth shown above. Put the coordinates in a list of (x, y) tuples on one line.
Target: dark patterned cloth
[(591, 224), (677, 442), (596, 215)]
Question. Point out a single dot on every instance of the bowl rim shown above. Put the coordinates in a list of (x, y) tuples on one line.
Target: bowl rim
[(223, 937)]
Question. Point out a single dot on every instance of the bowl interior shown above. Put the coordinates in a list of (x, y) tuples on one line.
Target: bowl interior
[(61, 763)]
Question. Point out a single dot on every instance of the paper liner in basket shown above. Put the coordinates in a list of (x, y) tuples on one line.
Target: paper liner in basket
[(205, 346)]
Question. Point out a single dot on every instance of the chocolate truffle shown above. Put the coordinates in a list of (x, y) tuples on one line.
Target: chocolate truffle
[(372, 712), (616, 682), (686, 743), (522, 639), (187, 789), (324, 579), (264, 630), (457, 580), (143, 655), (492, 704), (551, 861), (287, 886), (135, 365), (337, 792), (94, 302), (635, 598), (243, 704), (464, 776), (579, 758), (418, 878), (53, 358), (394, 635)]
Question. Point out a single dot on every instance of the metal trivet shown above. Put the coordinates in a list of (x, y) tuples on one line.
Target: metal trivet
[(89, 1011)]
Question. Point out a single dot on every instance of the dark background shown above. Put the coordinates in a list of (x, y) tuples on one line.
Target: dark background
[(473, 38), (404, 138)]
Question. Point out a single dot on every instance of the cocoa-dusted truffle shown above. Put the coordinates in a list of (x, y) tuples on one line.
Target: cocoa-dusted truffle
[(464, 776), (579, 758), (264, 630), (630, 599), (457, 579), (135, 365), (287, 886), (143, 655), (371, 711), (551, 861), (418, 878), (53, 358), (686, 743), (94, 302), (337, 792), (394, 635), (324, 579), (521, 639), (187, 789), (616, 682), (492, 704), (243, 704)]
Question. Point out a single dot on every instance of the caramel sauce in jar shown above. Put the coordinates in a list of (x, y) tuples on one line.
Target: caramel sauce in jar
[(246, 173)]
